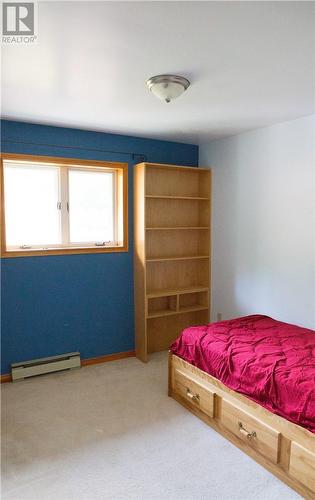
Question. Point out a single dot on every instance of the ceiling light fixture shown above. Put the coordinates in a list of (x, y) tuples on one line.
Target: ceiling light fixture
[(167, 87)]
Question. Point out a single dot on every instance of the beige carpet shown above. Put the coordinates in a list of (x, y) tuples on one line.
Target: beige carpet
[(111, 432)]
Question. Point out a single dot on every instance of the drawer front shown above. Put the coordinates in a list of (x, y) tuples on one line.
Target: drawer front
[(196, 394), (302, 465), (255, 433)]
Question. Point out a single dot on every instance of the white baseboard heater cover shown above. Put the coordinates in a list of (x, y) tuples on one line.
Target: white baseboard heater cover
[(25, 369)]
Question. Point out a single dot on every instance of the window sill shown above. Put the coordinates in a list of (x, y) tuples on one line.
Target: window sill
[(61, 251)]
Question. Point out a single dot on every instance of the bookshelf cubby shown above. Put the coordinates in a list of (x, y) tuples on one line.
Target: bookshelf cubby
[(172, 252)]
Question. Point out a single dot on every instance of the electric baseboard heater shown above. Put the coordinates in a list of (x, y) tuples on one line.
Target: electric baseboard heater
[(24, 369)]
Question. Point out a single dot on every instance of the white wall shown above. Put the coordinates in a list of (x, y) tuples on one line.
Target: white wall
[(263, 239)]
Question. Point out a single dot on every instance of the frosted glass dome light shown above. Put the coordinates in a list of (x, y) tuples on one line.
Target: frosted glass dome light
[(167, 87)]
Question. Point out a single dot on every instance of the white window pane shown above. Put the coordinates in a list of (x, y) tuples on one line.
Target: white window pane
[(31, 197), (91, 206)]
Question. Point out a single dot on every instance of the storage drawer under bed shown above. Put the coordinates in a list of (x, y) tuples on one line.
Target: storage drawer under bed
[(302, 465), (254, 432), (194, 392)]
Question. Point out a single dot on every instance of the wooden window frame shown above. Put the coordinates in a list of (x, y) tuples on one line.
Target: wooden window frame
[(122, 203)]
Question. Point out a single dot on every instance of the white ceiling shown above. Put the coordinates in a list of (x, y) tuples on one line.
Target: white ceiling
[(251, 64)]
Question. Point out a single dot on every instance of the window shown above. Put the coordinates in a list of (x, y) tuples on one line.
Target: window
[(53, 206)]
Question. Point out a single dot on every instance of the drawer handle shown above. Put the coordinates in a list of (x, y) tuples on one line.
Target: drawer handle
[(243, 431), (191, 395)]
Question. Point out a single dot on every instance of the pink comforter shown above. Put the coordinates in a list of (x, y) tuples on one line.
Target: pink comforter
[(271, 362)]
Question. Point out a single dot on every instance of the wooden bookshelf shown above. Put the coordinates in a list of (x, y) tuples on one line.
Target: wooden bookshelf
[(172, 252)]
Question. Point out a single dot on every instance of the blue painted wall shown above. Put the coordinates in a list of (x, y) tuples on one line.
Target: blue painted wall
[(56, 304)]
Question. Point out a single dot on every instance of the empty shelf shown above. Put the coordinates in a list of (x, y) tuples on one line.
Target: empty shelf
[(188, 257), (182, 310), (177, 197), (175, 228), (176, 291)]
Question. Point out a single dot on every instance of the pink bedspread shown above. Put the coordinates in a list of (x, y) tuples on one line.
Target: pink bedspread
[(271, 362)]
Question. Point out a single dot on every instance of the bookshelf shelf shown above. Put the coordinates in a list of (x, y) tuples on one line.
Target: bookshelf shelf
[(176, 228), (186, 257), (183, 310), (198, 198), (176, 291)]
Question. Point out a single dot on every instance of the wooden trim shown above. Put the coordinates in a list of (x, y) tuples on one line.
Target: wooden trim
[(172, 167), (68, 162), (5, 378), (289, 432), (108, 357), (125, 205), (87, 362), (61, 251), (58, 160), (2, 215)]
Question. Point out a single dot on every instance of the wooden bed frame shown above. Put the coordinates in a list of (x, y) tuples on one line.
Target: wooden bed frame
[(285, 449)]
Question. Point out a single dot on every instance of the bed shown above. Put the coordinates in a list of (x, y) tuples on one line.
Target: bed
[(253, 380)]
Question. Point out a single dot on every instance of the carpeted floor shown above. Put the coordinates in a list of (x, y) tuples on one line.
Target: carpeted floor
[(111, 432)]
